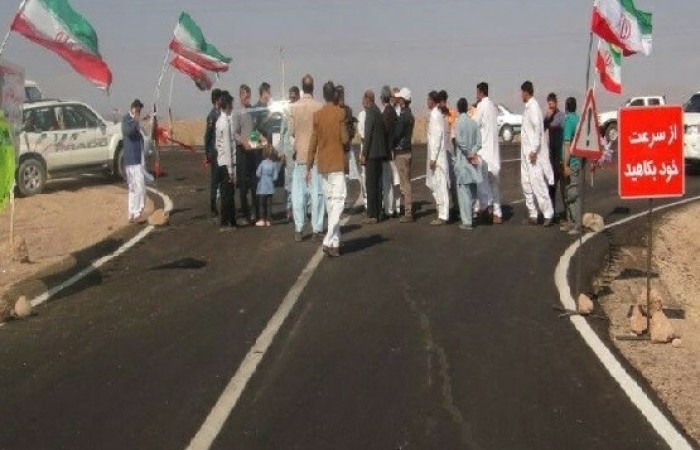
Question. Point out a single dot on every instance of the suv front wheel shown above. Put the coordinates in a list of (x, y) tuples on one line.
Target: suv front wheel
[(31, 177), (119, 171)]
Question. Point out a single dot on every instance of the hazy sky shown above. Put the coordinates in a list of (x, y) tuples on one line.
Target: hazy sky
[(368, 43)]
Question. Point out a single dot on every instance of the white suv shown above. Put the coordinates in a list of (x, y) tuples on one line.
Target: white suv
[(691, 119), (509, 124), (65, 137)]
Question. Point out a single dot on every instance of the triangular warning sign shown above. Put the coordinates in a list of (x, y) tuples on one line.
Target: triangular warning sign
[(587, 140)]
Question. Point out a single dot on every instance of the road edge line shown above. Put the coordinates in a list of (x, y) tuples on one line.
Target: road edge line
[(656, 418), (46, 296)]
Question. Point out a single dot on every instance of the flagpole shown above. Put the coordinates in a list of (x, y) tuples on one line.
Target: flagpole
[(582, 185), (162, 74), (282, 62), (9, 31), (170, 102)]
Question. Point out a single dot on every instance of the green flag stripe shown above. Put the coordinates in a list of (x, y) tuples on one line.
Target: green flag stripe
[(79, 28), (643, 18), (196, 33)]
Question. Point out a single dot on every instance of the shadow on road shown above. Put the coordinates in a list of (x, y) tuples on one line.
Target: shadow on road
[(363, 243)]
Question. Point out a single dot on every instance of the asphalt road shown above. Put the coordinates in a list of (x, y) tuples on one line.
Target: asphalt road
[(417, 338)]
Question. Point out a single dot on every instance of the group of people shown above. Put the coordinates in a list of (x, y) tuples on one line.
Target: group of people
[(464, 159), (314, 151), (313, 141)]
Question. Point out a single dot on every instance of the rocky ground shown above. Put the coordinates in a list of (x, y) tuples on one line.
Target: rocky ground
[(672, 370), (71, 215)]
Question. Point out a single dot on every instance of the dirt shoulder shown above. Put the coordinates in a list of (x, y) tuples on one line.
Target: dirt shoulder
[(71, 216), (673, 372)]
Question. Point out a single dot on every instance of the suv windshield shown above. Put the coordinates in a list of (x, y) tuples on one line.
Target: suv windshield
[(32, 94), (693, 105)]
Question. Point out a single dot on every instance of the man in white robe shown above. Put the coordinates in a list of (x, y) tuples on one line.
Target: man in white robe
[(535, 168), (486, 117), (437, 174)]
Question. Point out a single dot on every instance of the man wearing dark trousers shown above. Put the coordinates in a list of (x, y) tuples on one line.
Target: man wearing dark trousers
[(246, 155), (391, 194), (403, 149), (226, 163), (374, 153), (554, 125), (210, 148)]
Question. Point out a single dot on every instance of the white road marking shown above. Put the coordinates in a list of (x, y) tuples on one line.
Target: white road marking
[(665, 429), (216, 419), (46, 296), (422, 177), (510, 160)]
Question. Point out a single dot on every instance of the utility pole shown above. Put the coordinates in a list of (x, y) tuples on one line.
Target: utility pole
[(283, 84)]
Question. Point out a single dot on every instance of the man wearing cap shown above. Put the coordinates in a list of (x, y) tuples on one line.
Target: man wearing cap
[(210, 148), (403, 149), (133, 162)]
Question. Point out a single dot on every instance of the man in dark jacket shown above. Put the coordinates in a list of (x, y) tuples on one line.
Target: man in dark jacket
[(374, 153), (389, 184), (402, 151), (246, 150), (133, 162), (210, 148)]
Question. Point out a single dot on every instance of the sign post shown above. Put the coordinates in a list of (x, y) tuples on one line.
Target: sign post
[(586, 145), (11, 102), (651, 162)]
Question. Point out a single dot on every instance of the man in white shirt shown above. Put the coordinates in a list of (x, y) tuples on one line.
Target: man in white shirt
[(535, 167), (486, 117), (226, 161), (438, 175)]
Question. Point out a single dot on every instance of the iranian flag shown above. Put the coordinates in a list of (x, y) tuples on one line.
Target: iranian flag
[(190, 43), (55, 25), (609, 67), (193, 70), (620, 23)]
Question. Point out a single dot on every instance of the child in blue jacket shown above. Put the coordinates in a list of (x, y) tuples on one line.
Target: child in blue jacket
[(267, 174)]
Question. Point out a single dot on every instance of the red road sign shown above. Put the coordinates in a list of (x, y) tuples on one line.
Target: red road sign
[(586, 142), (651, 161)]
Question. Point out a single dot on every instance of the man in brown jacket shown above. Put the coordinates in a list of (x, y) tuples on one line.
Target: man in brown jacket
[(327, 152)]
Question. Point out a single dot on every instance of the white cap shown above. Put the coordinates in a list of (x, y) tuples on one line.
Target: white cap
[(404, 93)]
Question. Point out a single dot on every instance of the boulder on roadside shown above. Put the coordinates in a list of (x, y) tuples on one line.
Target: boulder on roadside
[(20, 252), (159, 218), (655, 299), (593, 222), (23, 308), (638, 322), (677, 343), (661, 330), (584, 305)]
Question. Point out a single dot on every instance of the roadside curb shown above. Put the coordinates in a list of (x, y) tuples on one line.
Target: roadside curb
[(52, 280), (675, 439)]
